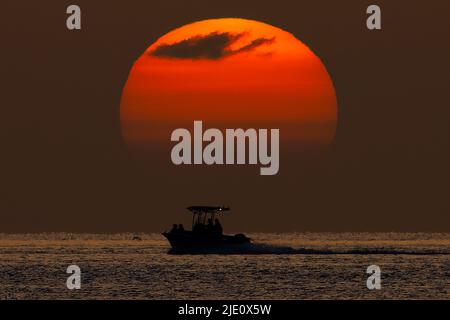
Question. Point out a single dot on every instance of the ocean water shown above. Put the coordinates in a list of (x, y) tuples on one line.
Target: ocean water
[(275, 266)]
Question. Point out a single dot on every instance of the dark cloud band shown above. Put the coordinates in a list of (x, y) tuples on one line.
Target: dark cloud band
[(213, 46)]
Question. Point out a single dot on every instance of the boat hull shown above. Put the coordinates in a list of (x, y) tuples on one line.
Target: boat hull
[(188, 239)]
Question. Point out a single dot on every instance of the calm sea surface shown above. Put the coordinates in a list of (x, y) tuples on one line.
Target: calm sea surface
[(276, 266)]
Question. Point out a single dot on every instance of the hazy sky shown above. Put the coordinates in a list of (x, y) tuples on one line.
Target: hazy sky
[(65, 167)]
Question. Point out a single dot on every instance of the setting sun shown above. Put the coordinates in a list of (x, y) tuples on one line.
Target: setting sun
[(229, 73)]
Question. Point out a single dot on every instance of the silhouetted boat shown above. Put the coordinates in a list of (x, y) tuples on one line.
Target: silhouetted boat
[(204, 235)]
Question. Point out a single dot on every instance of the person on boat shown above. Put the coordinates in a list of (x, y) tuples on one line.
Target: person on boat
[(210, 226), (218, 227), (198, 228), (180, 228), (174, 228)]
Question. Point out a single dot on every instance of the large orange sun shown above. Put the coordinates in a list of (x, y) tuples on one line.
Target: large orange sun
[(229, 73)]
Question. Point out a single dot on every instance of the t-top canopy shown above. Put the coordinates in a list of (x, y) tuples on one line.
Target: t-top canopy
[(206, 209)]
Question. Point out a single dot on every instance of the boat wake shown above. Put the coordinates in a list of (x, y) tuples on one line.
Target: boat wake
[(261, 248)]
